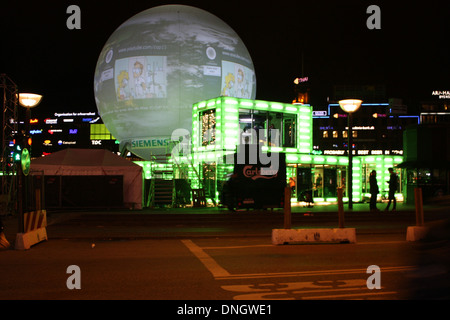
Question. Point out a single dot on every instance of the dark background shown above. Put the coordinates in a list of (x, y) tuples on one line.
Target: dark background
[(409, 54)]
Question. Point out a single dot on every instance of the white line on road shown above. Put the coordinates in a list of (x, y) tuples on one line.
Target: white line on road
[(311, 273), (220, 273), (210, 264), (340, 296), (271, 245)]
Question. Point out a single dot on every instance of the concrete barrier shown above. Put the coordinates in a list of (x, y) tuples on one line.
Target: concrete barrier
[(332, 235), (24, 241), (34, 228), (416, 233)]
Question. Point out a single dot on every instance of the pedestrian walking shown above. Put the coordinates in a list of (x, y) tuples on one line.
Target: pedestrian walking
[(229, 193), (374, 190), (393, 185)]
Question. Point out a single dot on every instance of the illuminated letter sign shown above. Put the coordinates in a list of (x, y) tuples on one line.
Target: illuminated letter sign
[(96, 142), (73, 131), (300, 80), (319, 113), (442, 94), (150, 143), (51, 121)]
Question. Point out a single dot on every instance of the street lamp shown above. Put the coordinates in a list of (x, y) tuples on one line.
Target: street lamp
[(28, 101), (350, 106)]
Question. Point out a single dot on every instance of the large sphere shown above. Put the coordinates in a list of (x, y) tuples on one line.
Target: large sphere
[(157, 64)]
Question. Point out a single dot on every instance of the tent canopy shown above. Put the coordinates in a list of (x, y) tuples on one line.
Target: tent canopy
[(94, 162)]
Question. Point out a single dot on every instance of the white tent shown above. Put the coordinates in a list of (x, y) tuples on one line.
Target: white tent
[(94, 162)]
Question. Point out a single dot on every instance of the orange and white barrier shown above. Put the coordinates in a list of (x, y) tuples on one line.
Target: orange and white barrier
[(34, 230), (34, 220)]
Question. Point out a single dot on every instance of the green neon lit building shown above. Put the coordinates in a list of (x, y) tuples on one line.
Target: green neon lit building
[(219, 125)]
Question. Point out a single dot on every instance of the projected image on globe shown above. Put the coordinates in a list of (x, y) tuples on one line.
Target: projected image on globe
[(141, 78), (237, 80)]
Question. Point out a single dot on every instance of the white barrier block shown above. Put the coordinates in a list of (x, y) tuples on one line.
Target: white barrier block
[(286, 236), (415, 233), (25, 240)]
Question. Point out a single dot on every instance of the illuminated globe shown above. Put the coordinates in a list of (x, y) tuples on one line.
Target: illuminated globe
[(157, 64)]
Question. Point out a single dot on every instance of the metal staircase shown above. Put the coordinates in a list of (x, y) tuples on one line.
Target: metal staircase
[(164, 170), (163, 185)]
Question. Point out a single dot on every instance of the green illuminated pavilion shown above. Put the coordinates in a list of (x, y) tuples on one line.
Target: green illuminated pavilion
[(221, 124)]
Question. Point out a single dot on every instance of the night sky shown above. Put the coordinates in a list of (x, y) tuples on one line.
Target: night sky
[(409, 54)]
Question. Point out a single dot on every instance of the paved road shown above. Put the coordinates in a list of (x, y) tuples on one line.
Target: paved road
[(211, 256)]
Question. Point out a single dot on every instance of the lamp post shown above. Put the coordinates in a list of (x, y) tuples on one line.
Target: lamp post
[(28, 101), (350, 106)]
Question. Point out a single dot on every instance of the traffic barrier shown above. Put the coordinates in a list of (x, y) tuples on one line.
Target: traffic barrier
[(292, 236), (35, 220), (419, 231), (35, 224)]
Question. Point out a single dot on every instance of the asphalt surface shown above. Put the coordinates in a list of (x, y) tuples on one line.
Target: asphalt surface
[(213, 254), (163, 223)]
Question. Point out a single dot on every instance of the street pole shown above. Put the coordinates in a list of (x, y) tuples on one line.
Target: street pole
[(340, 192), (419, 207), (20, 227), (350, 162), (287, 208)]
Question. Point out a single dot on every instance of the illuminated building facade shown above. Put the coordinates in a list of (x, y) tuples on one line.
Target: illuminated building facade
[(220, 124), (59, 131), (427, 153), (377, 130)]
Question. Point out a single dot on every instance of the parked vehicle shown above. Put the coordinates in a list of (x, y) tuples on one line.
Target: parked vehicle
[(256, 183)]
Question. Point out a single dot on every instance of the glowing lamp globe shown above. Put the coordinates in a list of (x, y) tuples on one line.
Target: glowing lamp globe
[(350, 105), (29, 100), (157, 64)]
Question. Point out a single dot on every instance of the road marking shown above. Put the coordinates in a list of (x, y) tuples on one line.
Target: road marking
[(291, 290), (210, 264), (239, 247), (383, 242), (307, 290), (340, 296), (220, 273), (311, 273), (271, 245)]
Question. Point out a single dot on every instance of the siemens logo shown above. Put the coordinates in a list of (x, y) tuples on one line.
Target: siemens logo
[(150, 143)]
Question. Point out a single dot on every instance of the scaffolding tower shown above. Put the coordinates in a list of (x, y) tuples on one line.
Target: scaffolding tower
[(9, 129)]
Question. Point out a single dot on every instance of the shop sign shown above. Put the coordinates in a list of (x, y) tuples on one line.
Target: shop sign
[(319, 113), (301, 80), (51, 121), (441, 94), (254, 172)]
